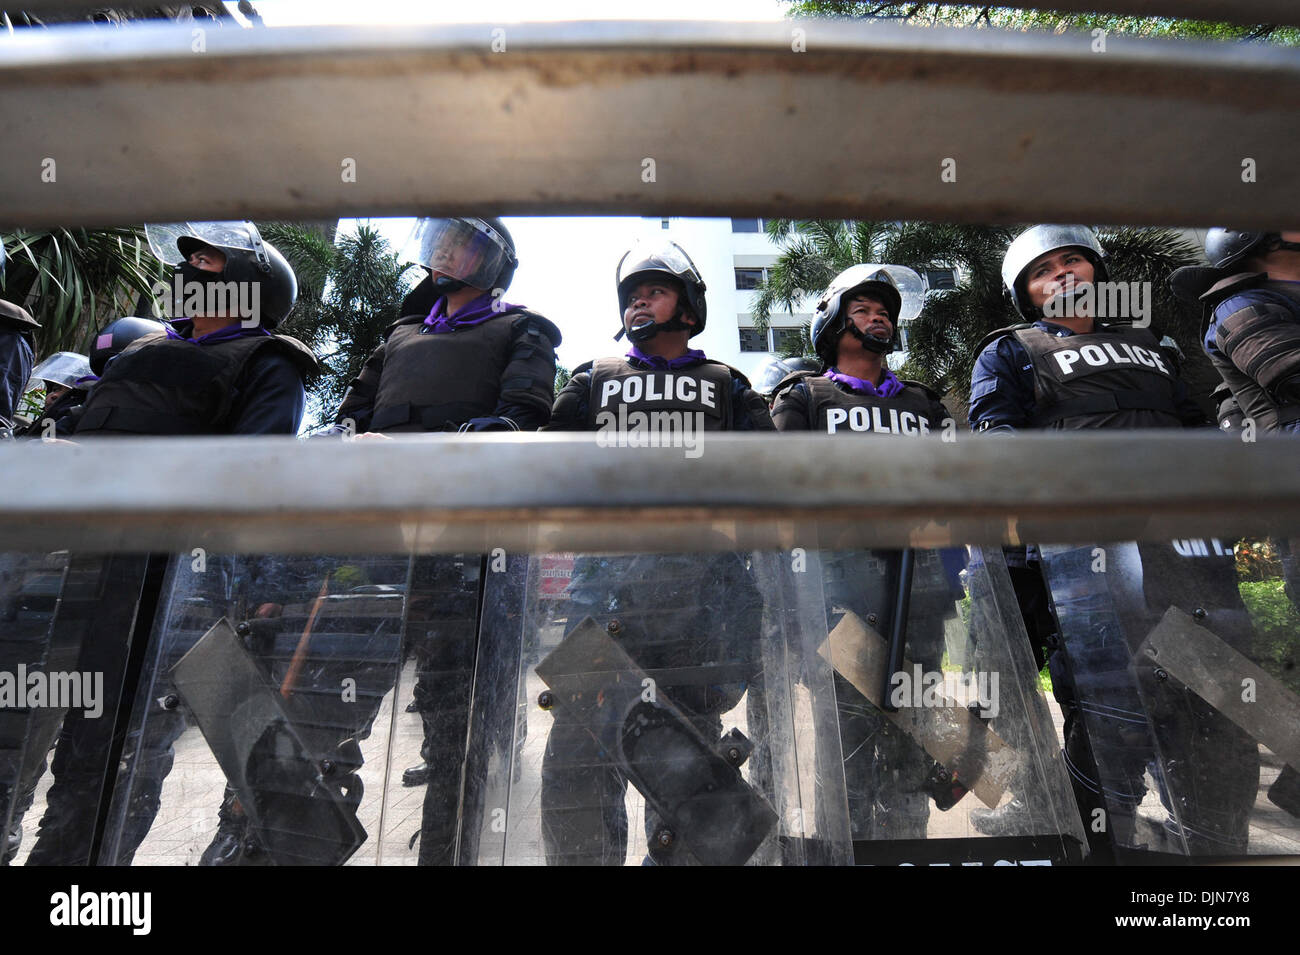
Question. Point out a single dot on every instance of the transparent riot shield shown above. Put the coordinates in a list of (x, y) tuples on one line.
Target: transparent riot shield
[(262, 686), (30, 585), (1177, 673), (949, 750), (652, 709), (68, 625)]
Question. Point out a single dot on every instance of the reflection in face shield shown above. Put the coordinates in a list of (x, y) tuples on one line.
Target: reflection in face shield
[(467, 250)]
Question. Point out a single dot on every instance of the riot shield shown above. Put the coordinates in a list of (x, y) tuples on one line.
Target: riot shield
[(67, 630), (949, 750), (1184, 715), (30, 585), (652, 709), (262, 684)]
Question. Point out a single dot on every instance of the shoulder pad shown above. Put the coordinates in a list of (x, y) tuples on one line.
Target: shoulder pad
[(994, 335), (929, 392), (544, 324), (736, 373), (299, 354), (404, 320), (583, 369), (1234, 283)]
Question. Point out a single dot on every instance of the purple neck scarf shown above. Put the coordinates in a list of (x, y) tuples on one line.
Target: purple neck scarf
[(888, 387), (693, 356), (471, 313), (227, 334)]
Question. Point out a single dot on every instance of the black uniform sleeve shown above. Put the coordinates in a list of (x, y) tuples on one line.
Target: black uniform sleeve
[(269, 396), (528, 381), (16, 360), (748, 409), (570, 410), (1261, 336), (790, 411), (358, 403), (1002, 388)]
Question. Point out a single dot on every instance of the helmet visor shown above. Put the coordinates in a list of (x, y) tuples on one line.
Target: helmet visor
[(468, 250), (62, 368), (644, 257), (233, 234)]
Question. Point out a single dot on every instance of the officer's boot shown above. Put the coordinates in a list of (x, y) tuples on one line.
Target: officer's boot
[(228, 845)]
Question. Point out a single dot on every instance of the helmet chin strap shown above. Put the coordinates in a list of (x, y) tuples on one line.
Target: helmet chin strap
[(1278, 243), (648, 330), (869, 342), (445, 284)]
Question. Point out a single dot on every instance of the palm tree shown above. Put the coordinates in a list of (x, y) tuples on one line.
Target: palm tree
[(943, 340), (74, 281), (348, 293)]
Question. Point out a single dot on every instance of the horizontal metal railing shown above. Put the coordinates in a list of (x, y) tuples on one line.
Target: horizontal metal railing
[(683, 118), (544, 492)]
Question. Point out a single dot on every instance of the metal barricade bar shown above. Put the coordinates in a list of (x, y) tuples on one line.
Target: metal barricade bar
[(543, 492), (796, 118)]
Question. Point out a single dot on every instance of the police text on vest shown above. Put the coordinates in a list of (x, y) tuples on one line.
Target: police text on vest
[(876, 420), (1107, 355)]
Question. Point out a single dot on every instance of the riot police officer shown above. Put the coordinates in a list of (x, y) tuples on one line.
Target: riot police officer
[(662, 300), (1070, 371), (66, 377), (461, 358), (17, 352), (219, 368), (1252, 321), (674, 614), (1067, 370), (889, 777)]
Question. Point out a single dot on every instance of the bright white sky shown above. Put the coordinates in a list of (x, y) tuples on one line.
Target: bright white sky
[(566, 264)]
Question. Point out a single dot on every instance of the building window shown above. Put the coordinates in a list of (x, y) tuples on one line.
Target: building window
[(747, 279), (746, 225), (786, 341), (937, 279), (751, 339)]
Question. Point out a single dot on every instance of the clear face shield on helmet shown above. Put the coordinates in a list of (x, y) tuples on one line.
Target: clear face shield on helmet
[(834, 304), (62, 369), (231, 234), (646, 257), (467, 250)]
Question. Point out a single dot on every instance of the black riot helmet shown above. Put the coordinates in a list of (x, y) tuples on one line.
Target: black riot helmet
[(1228, 247), (668, 261), (899, 289), (467, 251), (265, 284), (116, 335), (778, 369)]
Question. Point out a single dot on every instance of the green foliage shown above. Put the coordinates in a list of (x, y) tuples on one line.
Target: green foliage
[(348, 293), (562, 376), (1277, 629), (75, 281), (983, 15)]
